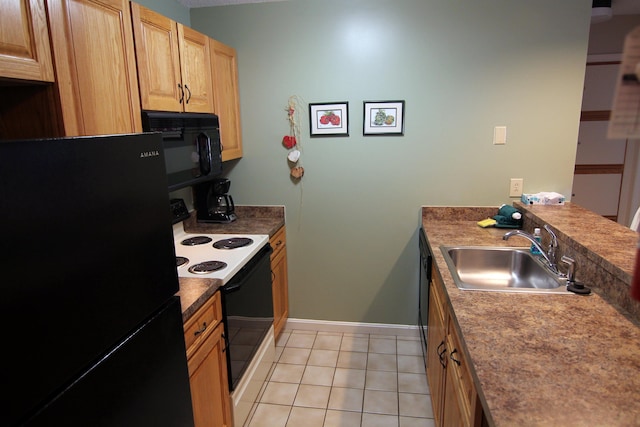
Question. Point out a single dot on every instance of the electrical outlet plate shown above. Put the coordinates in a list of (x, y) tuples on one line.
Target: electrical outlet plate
[(515, 187)]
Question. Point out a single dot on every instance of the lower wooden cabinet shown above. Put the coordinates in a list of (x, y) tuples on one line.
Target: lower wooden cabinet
[(453, 395), (280, 287), (436, 350), (208, 366)]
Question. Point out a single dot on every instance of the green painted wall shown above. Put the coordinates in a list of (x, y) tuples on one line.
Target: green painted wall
[(462, 67)]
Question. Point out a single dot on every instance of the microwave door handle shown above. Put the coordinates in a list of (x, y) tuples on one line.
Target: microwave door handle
[(204, 150)]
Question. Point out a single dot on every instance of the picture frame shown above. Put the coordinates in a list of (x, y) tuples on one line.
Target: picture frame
[(383, 118), (329, 119)]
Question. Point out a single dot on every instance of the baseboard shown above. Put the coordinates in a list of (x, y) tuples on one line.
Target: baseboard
[(352, 327)]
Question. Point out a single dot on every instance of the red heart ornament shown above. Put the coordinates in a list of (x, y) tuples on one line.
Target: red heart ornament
[(289, 141)]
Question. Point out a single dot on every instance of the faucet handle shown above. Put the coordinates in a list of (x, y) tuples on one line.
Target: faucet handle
[(571, 272)]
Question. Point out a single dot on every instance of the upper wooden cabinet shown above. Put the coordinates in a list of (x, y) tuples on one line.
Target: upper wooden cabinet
[(174, 65), (226, 97), (95, 65), (25, 53)]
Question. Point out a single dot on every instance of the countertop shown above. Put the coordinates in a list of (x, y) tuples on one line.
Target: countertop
[(251, 220), (540, 360)]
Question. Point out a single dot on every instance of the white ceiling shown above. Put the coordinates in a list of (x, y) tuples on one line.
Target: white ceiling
[(620, 7)]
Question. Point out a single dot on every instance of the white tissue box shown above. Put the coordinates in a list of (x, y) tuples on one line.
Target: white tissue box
[(543, 199)]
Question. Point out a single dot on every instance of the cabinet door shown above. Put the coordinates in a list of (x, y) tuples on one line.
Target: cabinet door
[(208, 379), (226, 97), (195, 66), (436, 348), (280, 291), (24, 41), (156, 41), (280, 287), (453, 411), (95, 66)]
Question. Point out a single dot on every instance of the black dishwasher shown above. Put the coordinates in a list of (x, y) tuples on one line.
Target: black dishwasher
[(423, 290)]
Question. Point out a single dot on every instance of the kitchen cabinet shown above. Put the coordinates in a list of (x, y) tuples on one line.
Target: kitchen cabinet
[(174, 64), (226, 98), (436, 347), (453, 395), (207, 364), (280, 287), (25, 53), (93, 50)]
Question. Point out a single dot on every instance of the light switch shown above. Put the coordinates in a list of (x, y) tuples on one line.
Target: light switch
[(499, 135)]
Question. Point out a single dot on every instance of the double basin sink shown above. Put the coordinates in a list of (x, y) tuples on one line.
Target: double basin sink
[(501, 269)]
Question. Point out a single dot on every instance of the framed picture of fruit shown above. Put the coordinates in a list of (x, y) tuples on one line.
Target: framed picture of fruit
[(383, 118), (329, 119)]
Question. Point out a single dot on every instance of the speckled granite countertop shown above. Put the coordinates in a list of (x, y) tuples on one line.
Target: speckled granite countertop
[(541, 360), (251, 220), (194, 292)]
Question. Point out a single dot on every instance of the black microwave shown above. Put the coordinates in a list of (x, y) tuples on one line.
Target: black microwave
[(191, 143)]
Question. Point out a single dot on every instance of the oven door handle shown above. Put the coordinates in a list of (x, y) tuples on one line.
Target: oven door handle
[(232, 287)]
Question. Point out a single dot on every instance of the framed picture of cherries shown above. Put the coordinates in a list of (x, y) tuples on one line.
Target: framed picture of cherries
[(383, 118), (329, 119)]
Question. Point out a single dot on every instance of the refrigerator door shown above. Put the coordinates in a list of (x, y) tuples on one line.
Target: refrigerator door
[(142, 382), (86, 256)]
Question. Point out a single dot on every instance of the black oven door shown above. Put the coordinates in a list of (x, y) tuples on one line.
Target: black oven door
[(247, 310)]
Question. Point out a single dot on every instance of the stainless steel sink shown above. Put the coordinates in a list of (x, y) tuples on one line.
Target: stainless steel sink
[(500, 269)]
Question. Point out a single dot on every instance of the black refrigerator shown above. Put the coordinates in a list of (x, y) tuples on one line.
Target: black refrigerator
[(91, 330)]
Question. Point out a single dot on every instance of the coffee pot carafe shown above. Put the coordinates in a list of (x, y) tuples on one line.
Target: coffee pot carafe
[(222, 204), (213, 203)]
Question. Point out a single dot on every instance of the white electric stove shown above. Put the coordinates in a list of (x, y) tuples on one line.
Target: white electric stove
[(214, 256), (241, 261)]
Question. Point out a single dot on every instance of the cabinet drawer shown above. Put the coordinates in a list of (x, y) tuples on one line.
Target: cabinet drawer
[(278, 242), (202, 323)]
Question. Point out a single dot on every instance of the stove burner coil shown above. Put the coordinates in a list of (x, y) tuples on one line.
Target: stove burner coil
[(180, 260), (233, 243), (207, 267), (196, 240)]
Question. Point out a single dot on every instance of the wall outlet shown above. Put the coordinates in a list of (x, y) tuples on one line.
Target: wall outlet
[(515, 187)]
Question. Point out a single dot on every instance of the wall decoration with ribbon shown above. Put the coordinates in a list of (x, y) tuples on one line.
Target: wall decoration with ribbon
[(292, 141)]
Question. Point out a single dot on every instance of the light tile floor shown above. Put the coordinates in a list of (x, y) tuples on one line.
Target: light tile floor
[(332, 379)]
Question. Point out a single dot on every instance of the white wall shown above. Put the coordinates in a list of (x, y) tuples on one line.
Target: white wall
[(462, 67)]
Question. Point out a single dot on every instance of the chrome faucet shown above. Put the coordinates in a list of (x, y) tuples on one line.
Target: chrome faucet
[(549, 255)]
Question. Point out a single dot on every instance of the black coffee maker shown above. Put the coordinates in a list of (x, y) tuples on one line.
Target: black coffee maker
[(213, 203)]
